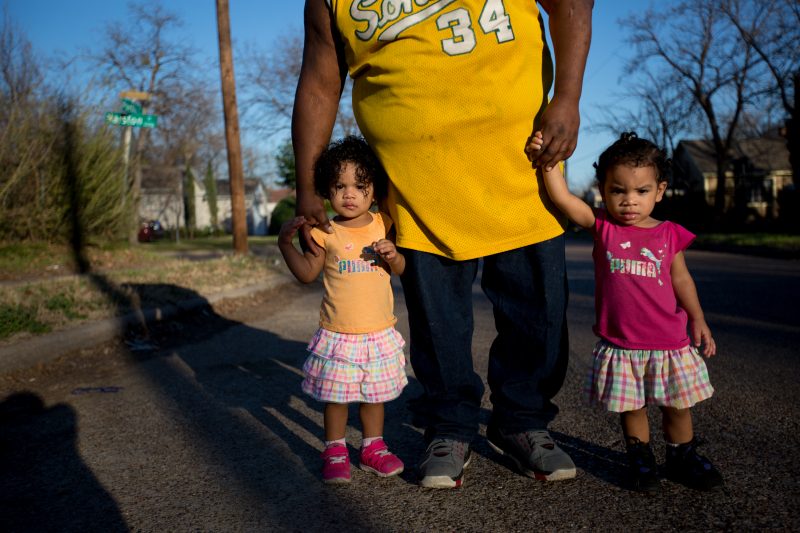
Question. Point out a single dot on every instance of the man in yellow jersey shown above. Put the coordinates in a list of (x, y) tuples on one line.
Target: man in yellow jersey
[(448, 93)]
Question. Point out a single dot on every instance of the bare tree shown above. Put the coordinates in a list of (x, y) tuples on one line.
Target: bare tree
[(270, 79), (693, 44), (58, 170), (24, 145), (144, 54), (660, 113), (191, 131), (772, 29)]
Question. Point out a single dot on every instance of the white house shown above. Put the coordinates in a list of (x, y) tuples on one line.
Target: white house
[(162, 197), (255, 204)]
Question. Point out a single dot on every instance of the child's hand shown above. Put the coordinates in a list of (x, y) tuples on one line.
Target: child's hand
[(386, 249), (701, 335), (289, 229), (534, 143)]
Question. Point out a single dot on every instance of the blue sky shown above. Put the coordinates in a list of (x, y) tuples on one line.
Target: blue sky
[(66, 27)]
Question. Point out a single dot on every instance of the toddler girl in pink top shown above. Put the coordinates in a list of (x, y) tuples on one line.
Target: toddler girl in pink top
[(644, 297), (356, 354)]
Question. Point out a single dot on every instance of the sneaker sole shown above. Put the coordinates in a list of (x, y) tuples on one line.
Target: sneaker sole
[(445, 482), (555, 475), (379, 473)]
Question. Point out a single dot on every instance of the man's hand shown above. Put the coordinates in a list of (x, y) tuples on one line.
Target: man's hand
[(559, 135), (570, 24), (312, 209)]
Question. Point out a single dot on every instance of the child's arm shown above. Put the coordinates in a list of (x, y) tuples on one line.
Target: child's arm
[(305, 266), (686, 293), (576, 209), (388, 251)]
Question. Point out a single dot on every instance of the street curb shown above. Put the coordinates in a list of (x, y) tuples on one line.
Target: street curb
[(48, 347)]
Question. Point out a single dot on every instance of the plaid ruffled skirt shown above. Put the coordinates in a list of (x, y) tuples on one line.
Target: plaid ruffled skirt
[(345, 368), (623, 380)]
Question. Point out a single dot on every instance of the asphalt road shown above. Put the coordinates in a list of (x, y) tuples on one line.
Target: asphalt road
[(203, 428)]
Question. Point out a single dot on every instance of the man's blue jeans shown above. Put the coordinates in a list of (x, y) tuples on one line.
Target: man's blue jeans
[(528, 358)]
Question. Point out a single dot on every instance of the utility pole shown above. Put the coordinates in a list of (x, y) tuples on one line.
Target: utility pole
[(235, 172)]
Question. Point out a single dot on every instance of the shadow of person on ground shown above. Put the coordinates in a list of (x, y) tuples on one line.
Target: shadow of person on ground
[(267, 458), (45, 485), (235, 392), (261, 373)]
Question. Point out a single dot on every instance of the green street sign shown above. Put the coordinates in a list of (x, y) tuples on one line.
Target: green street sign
[(131, 107), (137, 121)]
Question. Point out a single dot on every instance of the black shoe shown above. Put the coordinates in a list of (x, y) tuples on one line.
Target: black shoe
[(534, 452), (687, 467), (642, 467)]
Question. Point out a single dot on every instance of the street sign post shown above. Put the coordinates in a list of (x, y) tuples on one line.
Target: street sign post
[(131, 116)]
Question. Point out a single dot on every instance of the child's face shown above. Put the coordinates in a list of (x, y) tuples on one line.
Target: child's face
[(630, 194), (349, 198)]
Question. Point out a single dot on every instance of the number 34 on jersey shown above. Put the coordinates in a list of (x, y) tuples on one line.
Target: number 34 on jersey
[(396, 16)]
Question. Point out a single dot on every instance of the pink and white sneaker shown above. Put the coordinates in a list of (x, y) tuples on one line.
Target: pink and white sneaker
[(336, 465), (377, 458)]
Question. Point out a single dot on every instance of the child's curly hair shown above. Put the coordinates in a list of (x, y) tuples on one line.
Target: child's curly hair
[(355, 150), (632, 151)]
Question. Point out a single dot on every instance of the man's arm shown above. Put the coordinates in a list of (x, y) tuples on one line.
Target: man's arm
[(571, 33), (316, 102)]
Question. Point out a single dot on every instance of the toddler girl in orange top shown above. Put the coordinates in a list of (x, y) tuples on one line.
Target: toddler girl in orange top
[(356, 354)]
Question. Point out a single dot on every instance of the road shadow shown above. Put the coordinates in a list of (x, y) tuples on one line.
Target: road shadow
[(45, 485), (236, 396), (599, 461), (260, 373), (242, 399)]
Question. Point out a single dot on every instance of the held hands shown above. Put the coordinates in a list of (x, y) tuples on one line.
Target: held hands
[(559, 135), (289, 228), (534, 145), (701, 336), (304, 266), (311, 209)]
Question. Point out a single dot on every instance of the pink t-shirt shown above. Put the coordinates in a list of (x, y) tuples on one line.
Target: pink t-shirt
[(635, 303)]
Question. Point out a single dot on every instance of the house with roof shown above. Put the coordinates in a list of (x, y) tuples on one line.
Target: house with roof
[(162, 197), (256, 206), (758, 170)]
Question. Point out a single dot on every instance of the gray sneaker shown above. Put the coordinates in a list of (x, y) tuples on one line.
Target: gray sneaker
[(534, 452), (442, 466)]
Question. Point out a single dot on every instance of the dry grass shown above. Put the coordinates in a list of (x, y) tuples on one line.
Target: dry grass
[(40, 293)]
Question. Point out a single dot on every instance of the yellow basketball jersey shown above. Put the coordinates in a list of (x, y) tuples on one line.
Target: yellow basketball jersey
[(446, 93)]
